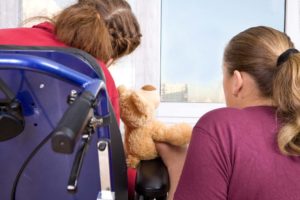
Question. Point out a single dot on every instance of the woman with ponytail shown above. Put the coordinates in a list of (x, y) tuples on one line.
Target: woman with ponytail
[(250, 149), (106, 29)]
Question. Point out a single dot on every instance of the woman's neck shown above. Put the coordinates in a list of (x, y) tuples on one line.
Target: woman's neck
[(256, 101)]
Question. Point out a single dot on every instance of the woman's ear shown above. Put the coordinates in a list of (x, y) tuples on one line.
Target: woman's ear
[(237, 82)]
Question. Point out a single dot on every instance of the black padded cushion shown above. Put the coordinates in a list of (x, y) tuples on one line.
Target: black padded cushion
[(152, 179)]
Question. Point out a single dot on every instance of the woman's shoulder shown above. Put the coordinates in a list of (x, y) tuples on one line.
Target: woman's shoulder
[(227, 113), (226, 119), (220, 114)]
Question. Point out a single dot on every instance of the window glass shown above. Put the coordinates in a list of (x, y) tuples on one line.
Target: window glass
[(193, 36)]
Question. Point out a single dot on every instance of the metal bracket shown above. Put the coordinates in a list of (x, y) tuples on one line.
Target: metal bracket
[(104, 168), (106, 195), (98, 122)]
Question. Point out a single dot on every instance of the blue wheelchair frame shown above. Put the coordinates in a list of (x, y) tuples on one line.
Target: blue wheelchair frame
[(61, 67)]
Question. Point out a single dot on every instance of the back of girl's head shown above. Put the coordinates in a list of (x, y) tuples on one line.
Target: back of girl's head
[(122, 25), (81, 26), (257, 51), (104, 28)]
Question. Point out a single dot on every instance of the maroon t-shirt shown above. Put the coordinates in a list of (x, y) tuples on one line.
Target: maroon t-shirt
[(233, 155)]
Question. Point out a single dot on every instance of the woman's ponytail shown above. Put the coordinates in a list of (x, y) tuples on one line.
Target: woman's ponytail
[(286, 95), (81, 26)]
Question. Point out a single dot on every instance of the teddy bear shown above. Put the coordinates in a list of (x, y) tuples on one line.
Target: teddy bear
[(142, 129)]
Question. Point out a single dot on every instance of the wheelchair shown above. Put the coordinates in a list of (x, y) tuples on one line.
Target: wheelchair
[(59, 138)]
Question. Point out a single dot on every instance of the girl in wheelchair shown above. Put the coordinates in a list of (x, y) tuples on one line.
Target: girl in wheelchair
[(106, 29)]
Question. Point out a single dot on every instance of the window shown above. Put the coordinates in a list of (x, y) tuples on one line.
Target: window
[(154, 60), (193, 36)]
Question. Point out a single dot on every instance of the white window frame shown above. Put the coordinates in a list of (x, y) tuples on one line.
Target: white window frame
[(146, 60), (292, 21)]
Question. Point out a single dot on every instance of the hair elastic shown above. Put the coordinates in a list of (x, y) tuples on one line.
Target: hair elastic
[(285, 55)]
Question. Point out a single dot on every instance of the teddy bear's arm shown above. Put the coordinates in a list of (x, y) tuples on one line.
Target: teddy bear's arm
[(178, 134)]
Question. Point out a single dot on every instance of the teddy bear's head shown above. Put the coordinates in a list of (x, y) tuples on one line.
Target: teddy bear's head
[(138, 106)]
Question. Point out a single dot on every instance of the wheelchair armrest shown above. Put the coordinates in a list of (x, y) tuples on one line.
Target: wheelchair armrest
[(152, 179)]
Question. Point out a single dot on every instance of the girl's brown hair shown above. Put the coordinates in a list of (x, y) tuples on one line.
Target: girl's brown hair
[(81, 26), (104, 28), (122, 25), (256, 51)]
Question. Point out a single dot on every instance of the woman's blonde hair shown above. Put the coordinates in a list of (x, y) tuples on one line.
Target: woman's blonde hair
[(256, 51), (104, 28)]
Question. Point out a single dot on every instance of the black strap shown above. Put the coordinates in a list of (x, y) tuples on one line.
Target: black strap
[(118, 159)]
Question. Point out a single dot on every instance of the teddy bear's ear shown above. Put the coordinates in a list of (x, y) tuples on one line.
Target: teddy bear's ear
[(140, 104), (148, 88), (122, 89)]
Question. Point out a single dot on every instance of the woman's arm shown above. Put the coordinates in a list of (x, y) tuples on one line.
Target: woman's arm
[(174, 158), (205, 172)]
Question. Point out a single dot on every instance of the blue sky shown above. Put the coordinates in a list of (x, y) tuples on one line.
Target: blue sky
[(195, 32)]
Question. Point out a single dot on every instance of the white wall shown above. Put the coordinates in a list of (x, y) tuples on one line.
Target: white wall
[(32, 8), (10, 13)]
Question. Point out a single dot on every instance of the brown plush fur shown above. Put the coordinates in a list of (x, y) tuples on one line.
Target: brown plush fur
[(137, 110)]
